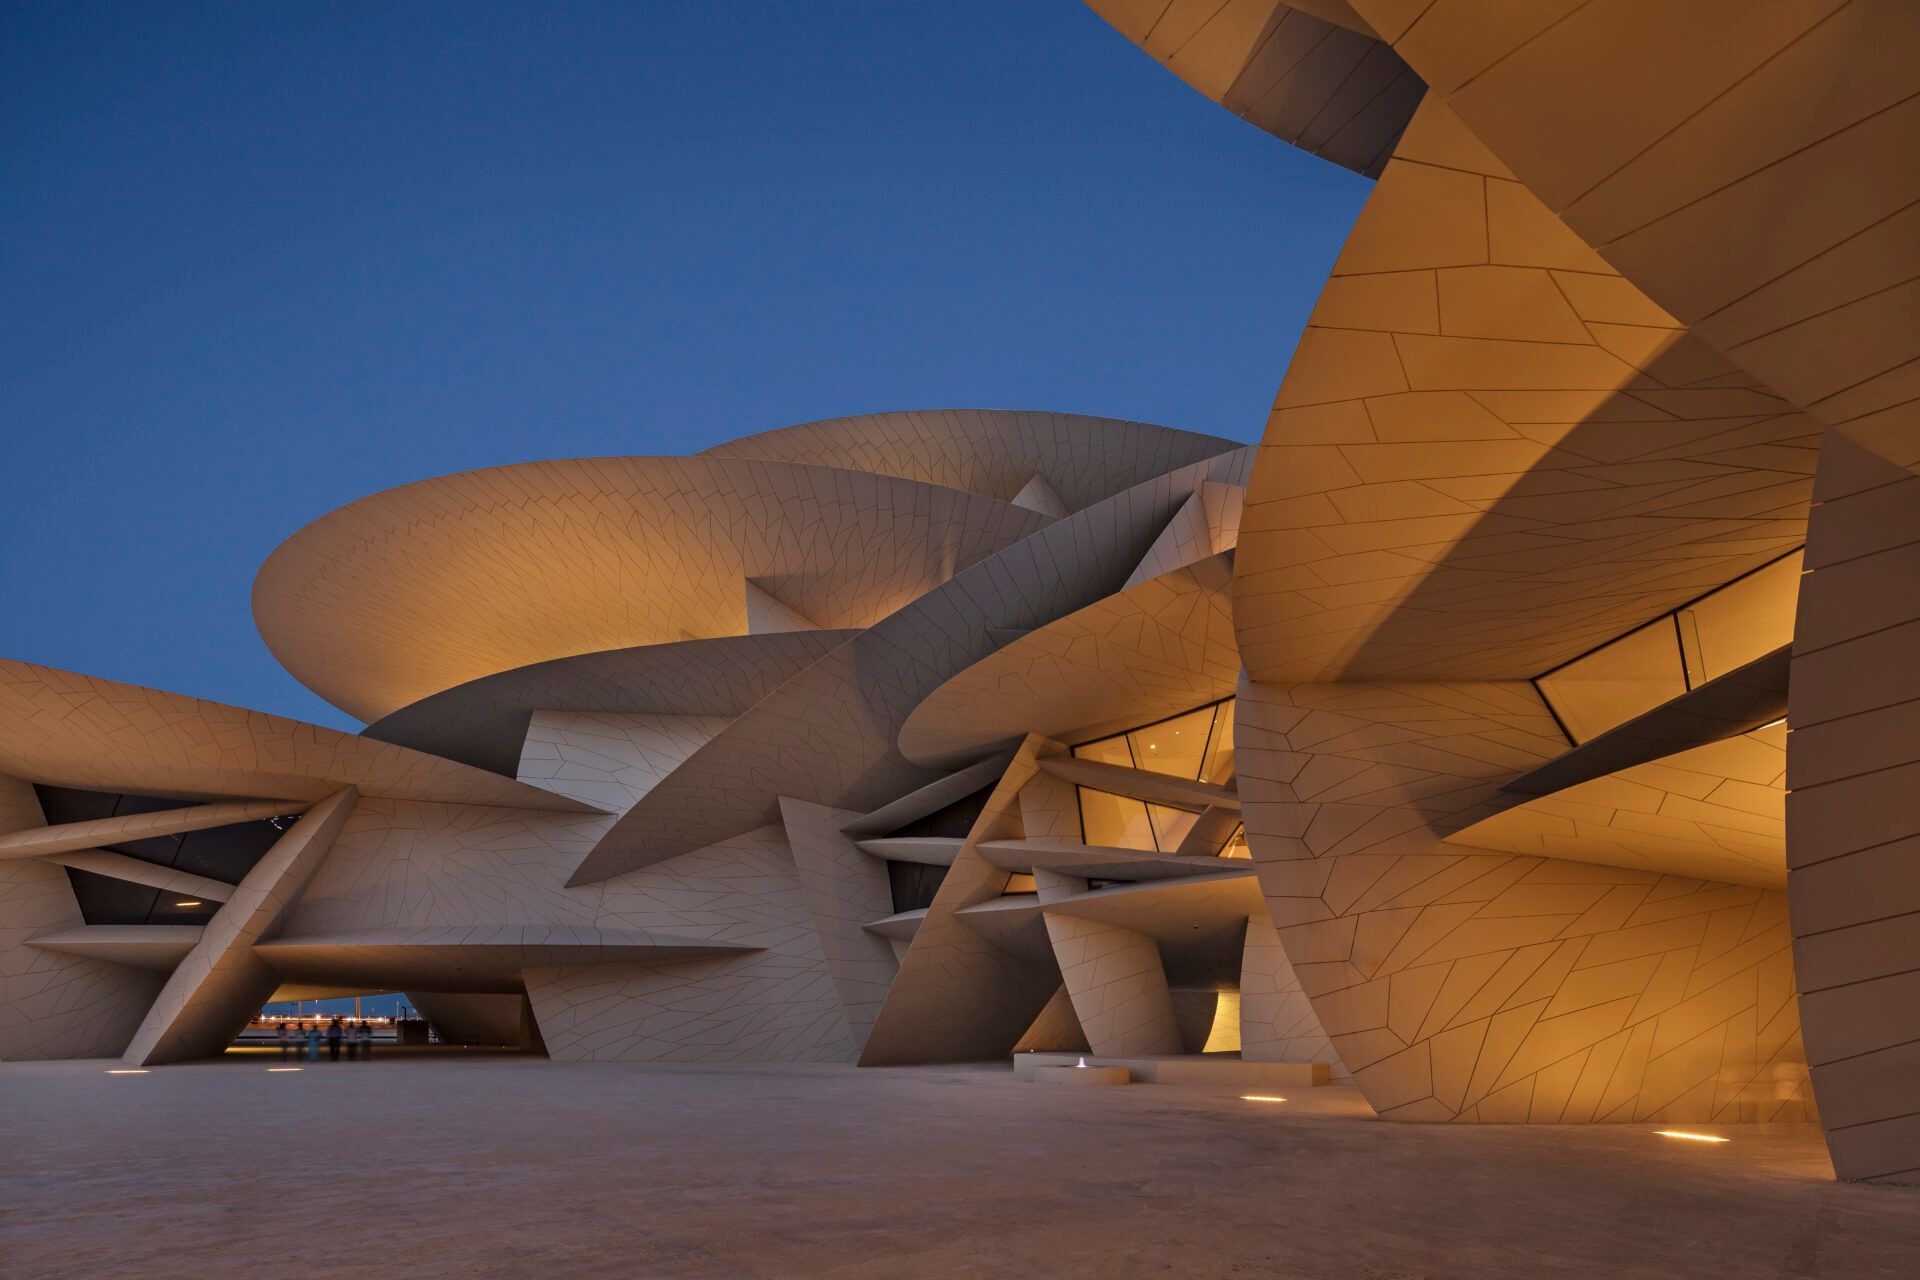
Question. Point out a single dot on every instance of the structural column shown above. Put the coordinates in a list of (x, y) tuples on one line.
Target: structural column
[(1853, 805), (222, 983)]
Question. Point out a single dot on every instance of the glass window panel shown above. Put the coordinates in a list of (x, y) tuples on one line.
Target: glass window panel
[(1618, 681), (227, 853), (173, 907), (914, 884), (69, 804), (1020, 882), (1120, 822), (1236, 846), (106, 900), (1170, 826), (1175, 746), (1743, 620), (1218, 768), (1107, 751)]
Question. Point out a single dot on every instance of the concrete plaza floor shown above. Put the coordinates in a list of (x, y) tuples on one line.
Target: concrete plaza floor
[(491, 1166)]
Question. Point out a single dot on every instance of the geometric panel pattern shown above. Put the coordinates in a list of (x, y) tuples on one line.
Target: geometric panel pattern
[(1118, 988), (1491, 453), (846, 889), (69, 836), (421, 588), (1155, 648), (1716, 812), (1853, 816), (54, 1004), (1459, 985), (959, 996), (484, 722), (1277, 1022), (828, 736), (74, 730), (609, 759), (222, 982), (997, 453), (776, 1005), (1307, 72)]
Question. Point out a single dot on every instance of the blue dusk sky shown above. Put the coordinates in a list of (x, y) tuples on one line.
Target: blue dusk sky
[(259, 260)]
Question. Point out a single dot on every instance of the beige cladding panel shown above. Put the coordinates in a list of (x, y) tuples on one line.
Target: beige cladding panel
[(421, 588), (1491, 453), (1467, 986), (55, 1004), (1853, 817)]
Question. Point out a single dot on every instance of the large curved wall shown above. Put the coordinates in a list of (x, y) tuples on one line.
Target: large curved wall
[(424, 587), (1632, 311)]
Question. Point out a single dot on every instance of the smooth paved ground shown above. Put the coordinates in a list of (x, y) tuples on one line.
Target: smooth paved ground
[(517, 1167)]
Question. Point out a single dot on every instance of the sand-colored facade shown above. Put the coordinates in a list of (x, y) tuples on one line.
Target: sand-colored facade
[(1523, 728)]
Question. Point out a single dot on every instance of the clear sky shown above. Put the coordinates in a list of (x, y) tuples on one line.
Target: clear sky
[(259, 260)]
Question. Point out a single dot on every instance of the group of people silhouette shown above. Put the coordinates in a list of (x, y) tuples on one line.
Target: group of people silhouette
[(305, 1039)]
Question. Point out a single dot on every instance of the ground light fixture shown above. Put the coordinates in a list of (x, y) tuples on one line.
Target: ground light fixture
[(126, 1071), (1260, 1097), (277, 1070), (1690, 1137)]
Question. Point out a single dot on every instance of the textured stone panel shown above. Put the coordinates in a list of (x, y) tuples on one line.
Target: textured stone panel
[(55, 1004), (427, 586), (1460, 985), (846, 889), (222, 983)]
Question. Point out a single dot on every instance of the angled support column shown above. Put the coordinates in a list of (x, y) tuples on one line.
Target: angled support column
[(958, 995), (105, 862), (845, 890), (55, 1004), (43, 841), (1117, 984), (222, 983), (1853, 804), (1462, 984), (1277, 1022)]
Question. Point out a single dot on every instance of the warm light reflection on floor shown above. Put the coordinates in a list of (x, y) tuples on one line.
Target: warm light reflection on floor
[(1260, 1097), (1690, 1137)]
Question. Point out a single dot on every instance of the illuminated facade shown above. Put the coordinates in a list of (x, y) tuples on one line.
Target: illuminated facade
[(1441, 741), (1583, 528)]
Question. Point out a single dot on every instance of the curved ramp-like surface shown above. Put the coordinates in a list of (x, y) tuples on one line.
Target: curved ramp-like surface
[(1491, 452), (828, 736), (1000, 453), (1150, 651), (1310, 72), (424, 587), (71, 730), (1715, 812), (484, 722)]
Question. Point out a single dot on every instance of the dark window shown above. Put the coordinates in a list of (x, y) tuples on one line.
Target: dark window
[(956, 819), (224, 853), (914, 884)]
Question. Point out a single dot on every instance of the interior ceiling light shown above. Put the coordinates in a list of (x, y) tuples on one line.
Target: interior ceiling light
[(1691, 1137), (191, 902)]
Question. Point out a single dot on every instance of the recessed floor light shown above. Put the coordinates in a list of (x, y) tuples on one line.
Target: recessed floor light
[(1691, 1137), (1260, 1097), (127, 1071), (273, 1069)]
